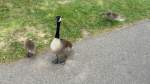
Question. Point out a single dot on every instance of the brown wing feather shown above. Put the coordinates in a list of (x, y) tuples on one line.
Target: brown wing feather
[(66, 43)]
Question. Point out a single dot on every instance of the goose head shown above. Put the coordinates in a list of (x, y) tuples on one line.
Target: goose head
[(58, 19)]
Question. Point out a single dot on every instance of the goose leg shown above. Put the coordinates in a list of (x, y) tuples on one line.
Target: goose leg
[(62, 59), (55, 61)]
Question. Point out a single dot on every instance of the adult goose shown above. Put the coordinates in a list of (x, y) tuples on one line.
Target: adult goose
[(58, 45)]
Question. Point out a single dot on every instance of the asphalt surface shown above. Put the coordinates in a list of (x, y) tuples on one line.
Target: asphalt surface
[(118, 57)]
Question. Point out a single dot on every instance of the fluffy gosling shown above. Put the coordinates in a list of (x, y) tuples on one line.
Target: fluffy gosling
[(30, 48)]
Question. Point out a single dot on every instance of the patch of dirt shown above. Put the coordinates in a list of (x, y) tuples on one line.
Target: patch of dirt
[(21, 36), (22, 39), (2, 45), (41, 34), (85, 33)]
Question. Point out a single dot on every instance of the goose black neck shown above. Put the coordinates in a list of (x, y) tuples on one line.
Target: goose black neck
[(57, 35)]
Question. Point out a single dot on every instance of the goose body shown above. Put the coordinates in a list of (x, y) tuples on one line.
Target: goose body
[(59, 45), (56, 45)]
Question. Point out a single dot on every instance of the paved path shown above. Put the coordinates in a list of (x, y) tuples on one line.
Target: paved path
[(119, 57)]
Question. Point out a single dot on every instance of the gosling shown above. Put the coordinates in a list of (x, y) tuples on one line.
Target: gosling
[(30, 48)]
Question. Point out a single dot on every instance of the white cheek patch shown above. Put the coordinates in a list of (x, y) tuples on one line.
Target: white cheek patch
[(60, 20), (56, 45)]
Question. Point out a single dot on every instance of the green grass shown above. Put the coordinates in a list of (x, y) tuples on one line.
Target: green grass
[(35, 19)]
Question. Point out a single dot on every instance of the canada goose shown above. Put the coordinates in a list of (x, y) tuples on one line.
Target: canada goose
[(113, 16), (58, 45), (30, 47)]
